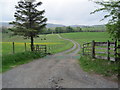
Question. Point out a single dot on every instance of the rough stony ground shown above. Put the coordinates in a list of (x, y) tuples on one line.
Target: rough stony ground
[(55, 71)]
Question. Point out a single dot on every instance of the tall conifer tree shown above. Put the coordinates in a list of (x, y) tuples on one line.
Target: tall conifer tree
[(29, 21)]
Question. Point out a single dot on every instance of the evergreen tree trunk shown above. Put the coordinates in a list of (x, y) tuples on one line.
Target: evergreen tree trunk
[(32, 44), (32, 40)]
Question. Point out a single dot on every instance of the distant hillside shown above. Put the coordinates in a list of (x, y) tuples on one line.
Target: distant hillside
[(5, 24), (83, 26), (50, 25), (78, 26)]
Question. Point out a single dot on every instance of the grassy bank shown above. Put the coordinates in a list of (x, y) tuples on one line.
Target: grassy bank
[(13, 60), (104, 67)]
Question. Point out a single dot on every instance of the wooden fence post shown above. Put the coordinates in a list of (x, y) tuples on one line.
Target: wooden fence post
[(108, 50), (118, 49), (83, 49), (115, 50), (37, 48), (13, 44), (45, 49), (93, 49), (25, 47)]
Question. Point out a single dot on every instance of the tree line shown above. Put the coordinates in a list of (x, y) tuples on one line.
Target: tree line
[(61, 30), (67, 29)]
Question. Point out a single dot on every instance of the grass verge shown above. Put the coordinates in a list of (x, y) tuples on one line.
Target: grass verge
[(104, 67), (13, 60)]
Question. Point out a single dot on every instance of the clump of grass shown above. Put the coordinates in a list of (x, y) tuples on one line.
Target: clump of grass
[(12, 60), (104, 67)]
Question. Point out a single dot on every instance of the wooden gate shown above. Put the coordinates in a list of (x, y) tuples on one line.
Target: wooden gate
[(40, 48), (102, 50)]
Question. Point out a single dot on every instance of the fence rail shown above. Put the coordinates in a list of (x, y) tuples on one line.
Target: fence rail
[(42, 48), (18, 47), (102, 50)]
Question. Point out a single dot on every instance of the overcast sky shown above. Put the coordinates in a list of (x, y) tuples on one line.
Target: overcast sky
[(66, 12)]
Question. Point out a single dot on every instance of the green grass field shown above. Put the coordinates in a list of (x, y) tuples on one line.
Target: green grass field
[(53, 42), (83, 37)]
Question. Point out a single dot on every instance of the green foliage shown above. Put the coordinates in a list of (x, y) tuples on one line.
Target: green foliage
[(29, 21), (12, 60), (4, 30), (69, 29), (58, 30), (61, 30), (94, 28), (114, 30), (78, 29), (49, 31), (98, 28), (113, 8), (104, 67)]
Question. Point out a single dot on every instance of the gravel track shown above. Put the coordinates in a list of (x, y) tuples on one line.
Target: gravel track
[(54, 71)]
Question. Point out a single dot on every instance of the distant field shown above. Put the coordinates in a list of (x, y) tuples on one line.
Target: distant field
[(97, 28), (83, 37), (53, 42)]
